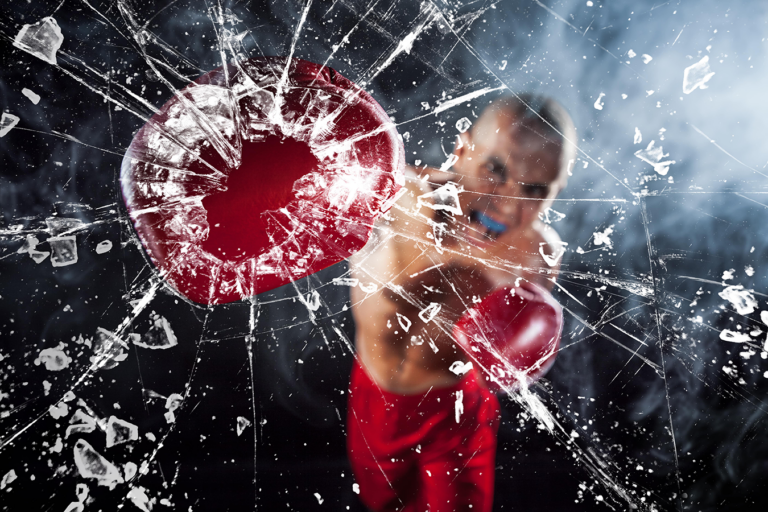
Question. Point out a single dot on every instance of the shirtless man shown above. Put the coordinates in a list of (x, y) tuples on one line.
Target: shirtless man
[(421, 437)]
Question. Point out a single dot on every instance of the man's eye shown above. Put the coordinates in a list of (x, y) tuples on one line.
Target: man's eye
[(494, 169), (535, 190)]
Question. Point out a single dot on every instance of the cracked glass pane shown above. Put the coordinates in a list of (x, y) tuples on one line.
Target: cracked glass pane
[(334, 255)]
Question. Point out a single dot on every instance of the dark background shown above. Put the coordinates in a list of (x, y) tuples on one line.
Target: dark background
[(637, 297)]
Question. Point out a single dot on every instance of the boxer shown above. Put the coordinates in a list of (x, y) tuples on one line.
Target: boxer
[(421, 436)]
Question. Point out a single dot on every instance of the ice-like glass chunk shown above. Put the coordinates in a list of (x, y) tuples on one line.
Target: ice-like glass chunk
[(91, 464), (599, 103), (63, 225), (459, 405), (369, 287), (9, 477), (429, 312), (557, 248), (58, 410), (138, 496), (449, 162), (312, 301), (655, 156), (159, 336), (30, 243), (460, 367), (7, 122), (463, 124), (81, 491), (549, 216), (108, 350), (233, 41), (734, 336), (42, 39), (30, 247), (54, 359), (345, 281), (38, 256), (31, 95), (129, 470), (75, 506), (603, 237), (103, 247), (444, 198), (404, 321), (58, 446), (80, 422), (120, 431), (172, 403), (64, 250), (697, 75), (88, 342), (439, 230), (242, 424), (743, 301)]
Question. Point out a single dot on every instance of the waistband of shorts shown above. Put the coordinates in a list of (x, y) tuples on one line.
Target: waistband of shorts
[(467, 383)]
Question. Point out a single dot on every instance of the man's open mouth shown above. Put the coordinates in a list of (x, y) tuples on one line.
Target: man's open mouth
[(485, 226)]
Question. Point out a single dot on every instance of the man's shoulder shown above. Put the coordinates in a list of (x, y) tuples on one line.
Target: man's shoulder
[(388, 247)]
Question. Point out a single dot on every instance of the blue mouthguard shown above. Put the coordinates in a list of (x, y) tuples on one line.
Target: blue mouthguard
[(490, 223)]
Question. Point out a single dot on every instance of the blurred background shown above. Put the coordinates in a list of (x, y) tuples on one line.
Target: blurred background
[(659, 387)]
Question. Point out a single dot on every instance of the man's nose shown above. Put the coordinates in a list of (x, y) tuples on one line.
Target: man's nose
[(510, 205), (510, 188)]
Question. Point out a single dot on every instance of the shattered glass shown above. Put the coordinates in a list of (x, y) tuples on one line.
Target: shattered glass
[(120, 431), (119, 391), (92, 465), (42, 39)]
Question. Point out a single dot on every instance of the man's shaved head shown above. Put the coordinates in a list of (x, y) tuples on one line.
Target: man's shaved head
[(532, 116), (514, 161)]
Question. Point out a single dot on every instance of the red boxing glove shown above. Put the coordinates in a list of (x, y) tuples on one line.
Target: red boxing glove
[(256, 175), (513, 335)]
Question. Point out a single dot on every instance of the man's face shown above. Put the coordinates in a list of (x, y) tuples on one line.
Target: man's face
[(509, 175)]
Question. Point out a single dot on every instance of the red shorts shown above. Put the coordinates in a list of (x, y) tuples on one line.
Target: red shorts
[(409, 452)]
